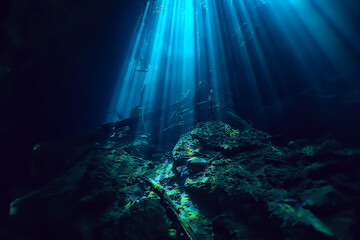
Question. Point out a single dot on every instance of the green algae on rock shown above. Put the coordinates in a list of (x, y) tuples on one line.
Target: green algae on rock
[(216, 182)]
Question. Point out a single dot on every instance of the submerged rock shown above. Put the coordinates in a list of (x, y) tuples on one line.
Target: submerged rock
[(216, 182), (196, 164), (220, 137)]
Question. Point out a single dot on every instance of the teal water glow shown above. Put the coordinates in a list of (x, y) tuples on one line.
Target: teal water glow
[(177, 46), (252, 50)]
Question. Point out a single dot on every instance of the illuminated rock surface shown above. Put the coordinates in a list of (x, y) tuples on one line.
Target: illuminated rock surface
[(216, 182)]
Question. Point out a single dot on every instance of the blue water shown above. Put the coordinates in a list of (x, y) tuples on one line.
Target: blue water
[(288, 66)]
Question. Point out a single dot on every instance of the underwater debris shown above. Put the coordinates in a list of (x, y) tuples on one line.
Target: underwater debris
[(142, 65), (117, 115), (168, 203), (158, 9), (120, 132), (244, 33), (298, 215), (137, 111), (204, 6)]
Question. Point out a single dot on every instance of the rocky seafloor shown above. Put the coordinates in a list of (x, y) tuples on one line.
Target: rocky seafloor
[(214, 181)]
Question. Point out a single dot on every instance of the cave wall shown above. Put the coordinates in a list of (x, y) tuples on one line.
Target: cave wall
[(59, 61)]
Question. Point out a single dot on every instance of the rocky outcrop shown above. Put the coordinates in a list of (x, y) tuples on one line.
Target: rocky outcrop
[(216, 182)]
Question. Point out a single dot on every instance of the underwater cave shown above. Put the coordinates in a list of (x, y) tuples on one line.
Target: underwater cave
[(180, 119)]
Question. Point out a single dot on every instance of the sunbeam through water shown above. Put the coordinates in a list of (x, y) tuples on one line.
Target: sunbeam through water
[(240, 54)]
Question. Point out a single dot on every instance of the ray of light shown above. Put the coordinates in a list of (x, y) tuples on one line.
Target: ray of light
[(248, 53), (178, 48)]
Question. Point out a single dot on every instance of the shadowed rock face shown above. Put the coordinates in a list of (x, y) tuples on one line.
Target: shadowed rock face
[(221, 182), (57, 60)]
